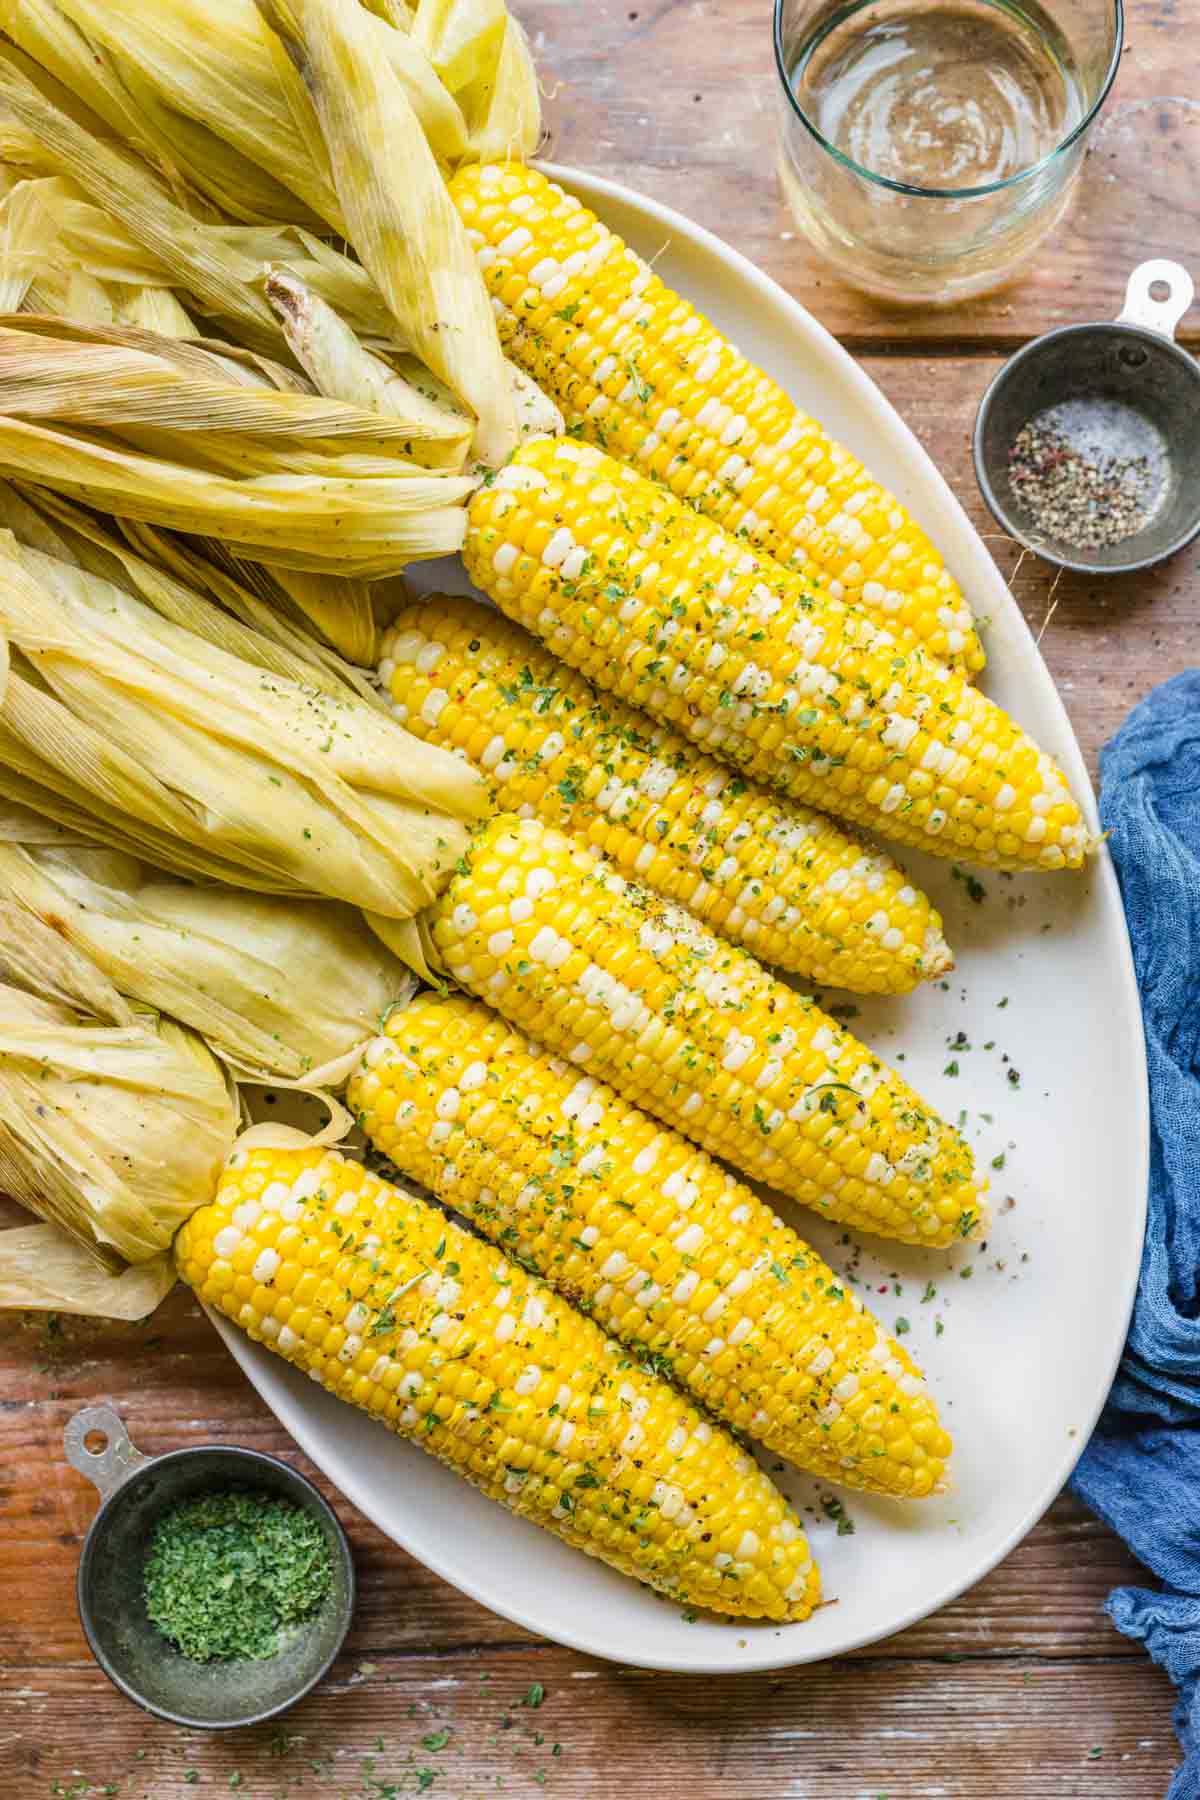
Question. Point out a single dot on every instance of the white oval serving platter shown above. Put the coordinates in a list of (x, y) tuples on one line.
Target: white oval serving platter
[(1019, 1339)]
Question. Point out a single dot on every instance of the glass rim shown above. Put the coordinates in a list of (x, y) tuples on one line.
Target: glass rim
[(966, 193)]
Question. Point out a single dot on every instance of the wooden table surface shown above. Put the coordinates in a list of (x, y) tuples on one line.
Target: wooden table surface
[(1021, 1690)]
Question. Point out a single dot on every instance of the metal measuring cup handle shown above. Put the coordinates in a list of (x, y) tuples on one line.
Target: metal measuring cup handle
[(1143, 310), (109, 1468)]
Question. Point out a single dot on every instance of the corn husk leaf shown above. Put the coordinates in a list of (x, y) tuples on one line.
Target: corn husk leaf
[(345, 286), (209, 62), (99, 242), (156, 309), (462, 39), (41, 961), (399, 218), (338, 609), (115, 1132), (123, 726), (53, 46), (44, 1269), (132, 383), (181, 586), (397, 13), (507, 121), (28, 241), (342, 368), (70, 292), (278, 988), (481, 54), (209, 59), (411, 940), (106, 79), (253, 595), (367, 527), (218, 276), (108, 250)]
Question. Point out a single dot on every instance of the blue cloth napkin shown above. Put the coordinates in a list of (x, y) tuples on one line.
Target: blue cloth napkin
[(1141, 1470)]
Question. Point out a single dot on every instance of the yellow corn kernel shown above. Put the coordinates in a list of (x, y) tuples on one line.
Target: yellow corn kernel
[(632, 991), (449, 1344), (638, 372), (678, 618), (777, 877), (668, 1253)]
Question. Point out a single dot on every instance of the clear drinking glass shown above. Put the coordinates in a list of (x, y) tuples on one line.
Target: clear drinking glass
[(927, 149)]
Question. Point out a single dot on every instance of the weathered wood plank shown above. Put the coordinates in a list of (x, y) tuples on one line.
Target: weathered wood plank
[(395, 1726), (1045, 1600), (1043, 1678), (176, 1385), (678, 99)]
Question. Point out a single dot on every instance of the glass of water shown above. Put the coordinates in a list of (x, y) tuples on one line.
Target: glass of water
[(927, 149)]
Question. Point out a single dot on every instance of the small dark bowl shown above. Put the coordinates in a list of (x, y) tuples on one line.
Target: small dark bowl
[(131, 1650), (1137, 368)]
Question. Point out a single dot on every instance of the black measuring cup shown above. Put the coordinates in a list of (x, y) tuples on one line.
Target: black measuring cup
[(1142, 392), (136, 1490)]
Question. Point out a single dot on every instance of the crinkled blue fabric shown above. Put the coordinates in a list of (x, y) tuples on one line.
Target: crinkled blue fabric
[(1141, 1470)]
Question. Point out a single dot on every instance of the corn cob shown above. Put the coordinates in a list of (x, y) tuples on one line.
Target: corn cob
[(678, 618), (666, 1251), (391, 1307), (639, 372), (636, 993), (775, 877)]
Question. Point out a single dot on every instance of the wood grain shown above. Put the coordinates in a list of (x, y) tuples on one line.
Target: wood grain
[(890, 1729), (176, 1386), (1003, 1693), (1019, 1690), (680, 100)]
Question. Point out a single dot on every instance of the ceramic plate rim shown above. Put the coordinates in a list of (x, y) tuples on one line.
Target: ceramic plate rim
[(967, 542)]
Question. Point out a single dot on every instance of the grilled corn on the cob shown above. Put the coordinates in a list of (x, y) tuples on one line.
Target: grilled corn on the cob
[(390, 1306), (666, 1251), (677, 617), (634, 992), (776, 877), (640, 373)]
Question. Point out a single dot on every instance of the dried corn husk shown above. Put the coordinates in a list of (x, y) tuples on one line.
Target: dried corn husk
[(122, 726), (218, 276), (462, 39), (366, 525), (174, 433), (480, 52), (215, 48), (506, 122), (107, 249), (178, 583), (44, 1269), (108, 80), (28, 239), (330, 624), (398, 13), (399, 217), (340, 366), (113, 1125), (53, 47), (156, 309), (133, 383), (339, 610), (210, 61), (283, 990)]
